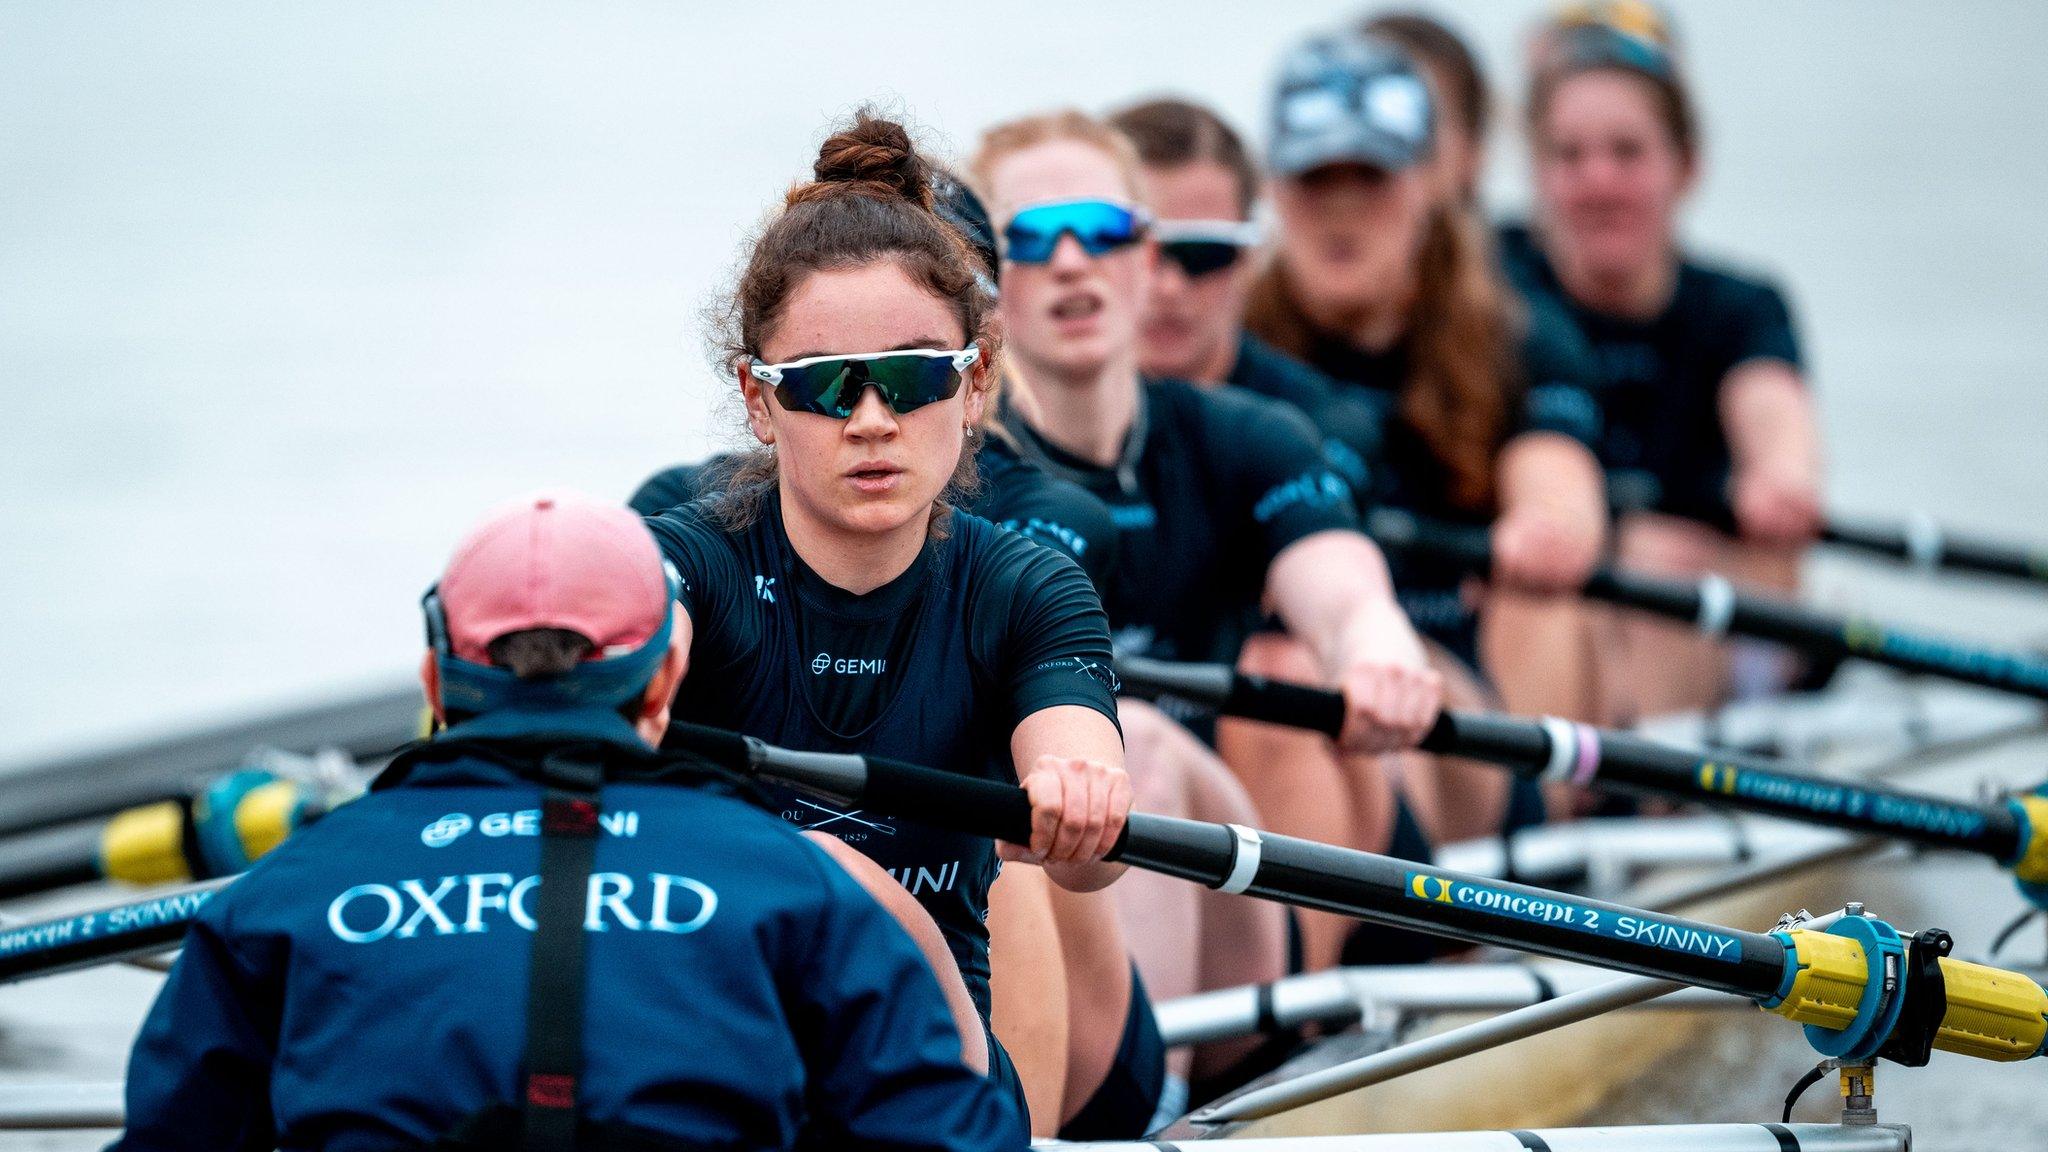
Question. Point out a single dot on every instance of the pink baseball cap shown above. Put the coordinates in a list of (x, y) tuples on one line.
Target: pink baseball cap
[(555, 560)]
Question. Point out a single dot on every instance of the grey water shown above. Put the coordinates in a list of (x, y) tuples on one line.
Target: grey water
[(291, 293)]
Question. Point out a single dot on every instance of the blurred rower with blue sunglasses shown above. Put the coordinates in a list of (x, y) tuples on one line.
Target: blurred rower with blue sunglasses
[(1098, 226), (1224, 504)]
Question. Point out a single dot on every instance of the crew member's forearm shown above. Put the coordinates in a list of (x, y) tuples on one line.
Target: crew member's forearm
[(1769, 419), (1556, 476), (1332, 591)]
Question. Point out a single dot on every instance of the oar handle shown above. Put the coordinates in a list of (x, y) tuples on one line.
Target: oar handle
[(969, 804), (1714, 606), (1292, 705), (1522, 743), (1468, 548), (1223, 688), (1922, 542)]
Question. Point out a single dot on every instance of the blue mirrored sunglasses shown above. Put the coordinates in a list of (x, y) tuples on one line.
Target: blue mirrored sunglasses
[(1100, 226)]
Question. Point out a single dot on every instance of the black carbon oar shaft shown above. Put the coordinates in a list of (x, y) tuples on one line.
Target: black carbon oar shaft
[(1823, 979), (1820, 979), (1718, 609), (1301, 872), (1924, 544), (1582, 754), (84, 939), (1423, 897)]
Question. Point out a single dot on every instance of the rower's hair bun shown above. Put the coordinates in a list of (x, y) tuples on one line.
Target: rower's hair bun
[(871, 157)]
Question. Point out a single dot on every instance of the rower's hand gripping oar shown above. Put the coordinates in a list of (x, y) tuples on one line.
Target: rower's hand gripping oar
[(1714, 606), (2014, 832), (1856, 986)]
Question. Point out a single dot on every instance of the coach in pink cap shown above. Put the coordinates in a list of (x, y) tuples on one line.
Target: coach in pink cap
[(555, 602), (519, 939)]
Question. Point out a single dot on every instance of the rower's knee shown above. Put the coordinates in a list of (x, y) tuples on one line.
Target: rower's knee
[(1462, 686), (1666, 545), (1157, 756), (1278, 656)]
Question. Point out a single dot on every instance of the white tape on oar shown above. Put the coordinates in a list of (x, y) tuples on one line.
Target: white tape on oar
[(1244, 864), (1923, 541), (1564, 752), (1717, 604)]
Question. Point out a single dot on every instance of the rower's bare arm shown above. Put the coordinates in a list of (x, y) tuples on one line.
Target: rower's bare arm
[(685, 633), (1332, 591), (1070, 760), (1774, 447), (1553, 513)]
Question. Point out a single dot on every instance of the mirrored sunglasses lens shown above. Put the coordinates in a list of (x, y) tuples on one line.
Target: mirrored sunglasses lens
[(1025, 243), (1200, 257), (827, 388), (834, 387), (911, 382), (1099, 226)]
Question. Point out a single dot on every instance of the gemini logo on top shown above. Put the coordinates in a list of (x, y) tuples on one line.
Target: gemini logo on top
[(825, 662), (452, 827)]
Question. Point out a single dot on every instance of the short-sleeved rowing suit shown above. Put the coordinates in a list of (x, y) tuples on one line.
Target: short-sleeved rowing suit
[(1360, 408), (1659, 380), (936, 667), (1266, 370), (1211, 486), (1356, 421), (1013, 494)]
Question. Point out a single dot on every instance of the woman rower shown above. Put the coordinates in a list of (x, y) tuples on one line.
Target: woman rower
[(1222, 499), (1464, 100), (1541, 651), (1201, 184), (1711, 443), (1463, 412), (1010, 492), (1184, 939), (835, 600)]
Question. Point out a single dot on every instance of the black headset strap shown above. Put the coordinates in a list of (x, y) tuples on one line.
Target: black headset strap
[(555, 989)]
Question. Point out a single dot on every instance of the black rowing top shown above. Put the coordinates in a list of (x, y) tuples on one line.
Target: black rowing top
[(1659, 380), (938, 666), (1211, 486), (1355, 398)]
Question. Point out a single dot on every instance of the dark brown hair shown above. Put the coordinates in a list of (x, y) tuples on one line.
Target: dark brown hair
[(869, 199), (1169, 133), (1667, 89), (1446, 55), (539, 652), (1460, 344)]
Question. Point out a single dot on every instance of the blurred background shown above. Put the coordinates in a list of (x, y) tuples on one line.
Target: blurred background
[(290, 293)]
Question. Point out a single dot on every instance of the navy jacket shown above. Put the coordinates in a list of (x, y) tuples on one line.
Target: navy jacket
[(363, 987)]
